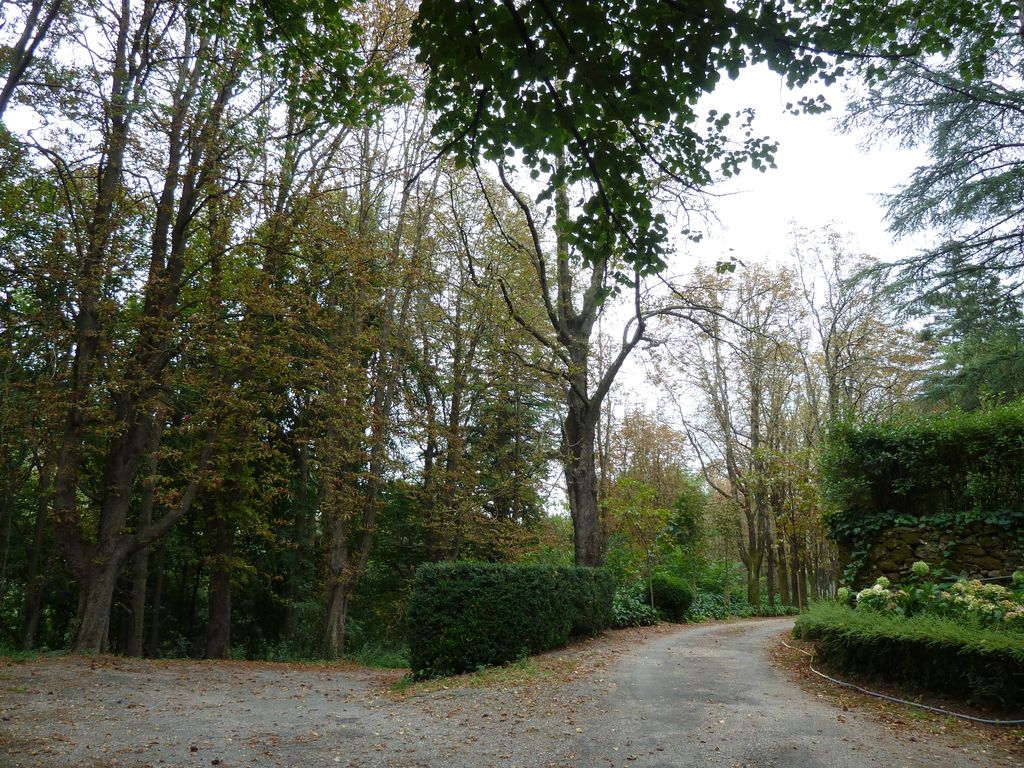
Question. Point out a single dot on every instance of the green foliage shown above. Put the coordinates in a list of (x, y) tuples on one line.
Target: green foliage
[(711, 605), (945, 75), (977, 326), (687, 527), (381, 657), (611, 90), (927, 652), (941, 473), (638, 525), (671, 596), (466, 615), (589, 594), (313, 45), (629, 609)]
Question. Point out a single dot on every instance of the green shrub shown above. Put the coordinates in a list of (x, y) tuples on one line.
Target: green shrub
[(926, 652), (463, 616), (381, 657), (671, 596), (710, 605), (630, 610)]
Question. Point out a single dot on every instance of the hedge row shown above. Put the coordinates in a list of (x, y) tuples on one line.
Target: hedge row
[(940, 471), (463, 616), (924, 652)]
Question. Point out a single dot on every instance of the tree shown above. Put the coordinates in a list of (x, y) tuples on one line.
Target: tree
[(602, 95), (687, 526), (863, 362), (600, 101), (572, 295), (634, 513), (949, 80), (167, 138), (977, 327), (38, 18), (744, 366)]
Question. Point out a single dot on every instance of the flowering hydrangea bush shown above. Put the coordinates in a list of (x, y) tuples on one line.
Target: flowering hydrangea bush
[(985, 603), (878, 597)]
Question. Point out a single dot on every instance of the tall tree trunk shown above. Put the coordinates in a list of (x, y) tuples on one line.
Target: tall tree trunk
[(783, 575), (573, 329), (96, 599), (140, 578), (803, 583), (794, 573), (221, 535), (770, 575), (33, 580), (337, 623), (753, 587), (140, 563), (156, 604), (336, 598), (579, 434)]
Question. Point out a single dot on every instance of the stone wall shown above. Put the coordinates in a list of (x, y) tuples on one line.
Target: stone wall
[(979, 551)]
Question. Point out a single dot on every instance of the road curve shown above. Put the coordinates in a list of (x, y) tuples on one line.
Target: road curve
[(706, 696)]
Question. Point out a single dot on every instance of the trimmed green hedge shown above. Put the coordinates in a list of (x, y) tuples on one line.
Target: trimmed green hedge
[(954, 468), (925, 652), (463, 616), (941, 472)]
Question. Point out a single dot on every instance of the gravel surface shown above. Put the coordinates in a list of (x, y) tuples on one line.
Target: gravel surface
[(700, 695)]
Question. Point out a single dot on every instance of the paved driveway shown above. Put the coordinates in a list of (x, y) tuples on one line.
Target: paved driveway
[(699, 696)]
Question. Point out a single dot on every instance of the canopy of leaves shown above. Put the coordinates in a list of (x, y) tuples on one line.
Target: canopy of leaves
[(885, 35), (978, 327), (947, 77), (317, 46), (603, 93)]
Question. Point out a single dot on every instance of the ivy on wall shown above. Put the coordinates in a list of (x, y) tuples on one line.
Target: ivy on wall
[(941, 473)]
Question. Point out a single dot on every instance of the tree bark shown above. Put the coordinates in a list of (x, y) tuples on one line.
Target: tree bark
[(794, 573), (221, 535), (156, 605), (33, 581), (97, 596), (784, 597), (140, 563), (579, 430), (336, 598)]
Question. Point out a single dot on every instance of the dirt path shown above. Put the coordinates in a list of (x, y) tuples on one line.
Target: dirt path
[(687, 696)]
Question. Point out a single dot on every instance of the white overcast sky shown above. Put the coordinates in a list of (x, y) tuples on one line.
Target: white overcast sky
[(823, 176)]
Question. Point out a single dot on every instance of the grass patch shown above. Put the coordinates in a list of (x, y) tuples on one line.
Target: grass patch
[(928, 653), (378, 657)]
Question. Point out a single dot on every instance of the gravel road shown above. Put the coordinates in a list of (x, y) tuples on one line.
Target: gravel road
[(701, 695)]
